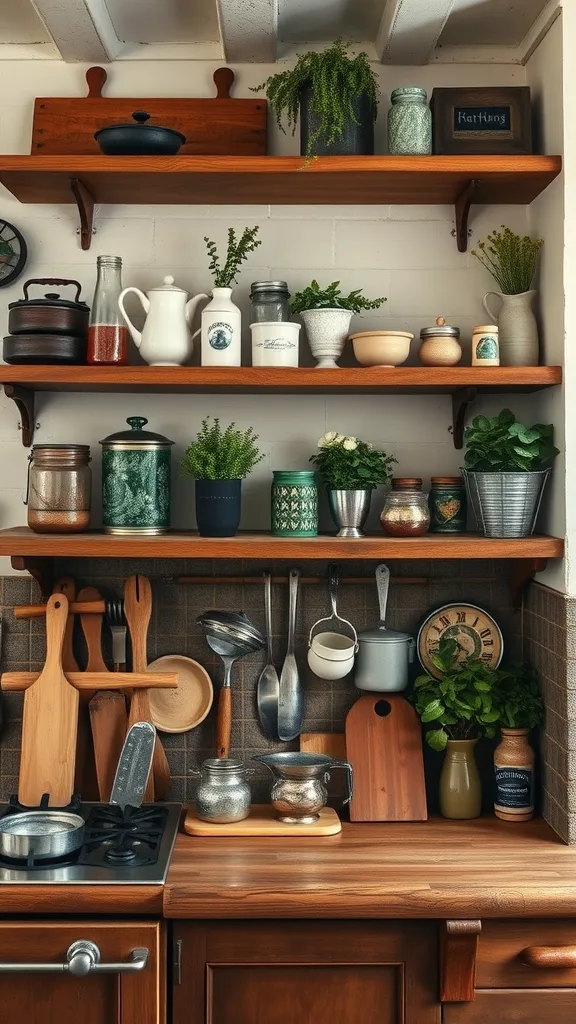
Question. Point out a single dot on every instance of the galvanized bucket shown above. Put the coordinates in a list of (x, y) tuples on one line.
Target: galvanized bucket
[(505, 504)]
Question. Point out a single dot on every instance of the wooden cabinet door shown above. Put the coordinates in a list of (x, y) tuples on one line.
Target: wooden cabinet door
[(306, 972), (515, 1006), (33, 997)]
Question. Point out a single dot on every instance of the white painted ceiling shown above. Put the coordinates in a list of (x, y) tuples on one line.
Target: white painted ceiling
[(395, 31)]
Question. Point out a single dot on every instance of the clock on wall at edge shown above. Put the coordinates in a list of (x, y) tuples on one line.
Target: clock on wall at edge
[(13, 253), (476, 632)]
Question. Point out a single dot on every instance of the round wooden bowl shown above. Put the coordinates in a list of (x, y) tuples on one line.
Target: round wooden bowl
[(185, 707)]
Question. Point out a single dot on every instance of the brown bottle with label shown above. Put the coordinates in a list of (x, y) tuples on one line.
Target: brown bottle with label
[(514, 776)]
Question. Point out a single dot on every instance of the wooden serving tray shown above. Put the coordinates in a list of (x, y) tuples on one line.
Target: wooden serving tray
[(262, 821), (218, 127)]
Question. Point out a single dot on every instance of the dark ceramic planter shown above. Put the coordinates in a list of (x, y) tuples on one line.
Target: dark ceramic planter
[(357, 139), (218, 507)]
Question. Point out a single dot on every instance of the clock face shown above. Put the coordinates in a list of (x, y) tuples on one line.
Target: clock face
[(476, 633), (13, 253)]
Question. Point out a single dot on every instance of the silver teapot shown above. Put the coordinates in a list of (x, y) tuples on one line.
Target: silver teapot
[(299, 789)]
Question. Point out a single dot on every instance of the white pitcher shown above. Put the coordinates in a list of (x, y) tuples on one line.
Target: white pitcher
[(517, 328), (221, 331), (165, 339)]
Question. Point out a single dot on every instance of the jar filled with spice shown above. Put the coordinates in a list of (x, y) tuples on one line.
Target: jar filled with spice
[(107, 331), (269, 302), (59, 488), (447, 502), (409, 122), (406, 512), (294, 503)]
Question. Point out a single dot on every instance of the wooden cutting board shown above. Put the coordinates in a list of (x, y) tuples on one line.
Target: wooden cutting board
[(220, 126), (384, 747), (262, 821), (50, 722), (331, 743)]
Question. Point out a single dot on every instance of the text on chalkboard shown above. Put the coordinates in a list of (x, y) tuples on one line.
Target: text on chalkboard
[(482, 119)]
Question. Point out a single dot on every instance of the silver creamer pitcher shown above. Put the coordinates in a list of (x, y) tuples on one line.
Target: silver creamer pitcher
[(299, 788)]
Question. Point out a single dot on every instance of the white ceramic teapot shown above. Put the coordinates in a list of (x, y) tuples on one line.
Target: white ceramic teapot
[(165, 339)]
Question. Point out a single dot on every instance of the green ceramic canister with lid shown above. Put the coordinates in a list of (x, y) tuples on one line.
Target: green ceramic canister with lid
[(294, 503), (136, 480), (447, 502)]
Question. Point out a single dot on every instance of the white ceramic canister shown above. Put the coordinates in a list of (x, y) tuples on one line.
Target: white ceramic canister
[(221, 331), (275, 343), (485, 348)]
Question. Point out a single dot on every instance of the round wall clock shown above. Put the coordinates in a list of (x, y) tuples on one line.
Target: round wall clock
[(13, 253), (476, 633)]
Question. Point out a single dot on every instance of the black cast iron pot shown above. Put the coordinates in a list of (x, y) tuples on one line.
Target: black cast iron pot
[(139, 139), (49, 314)]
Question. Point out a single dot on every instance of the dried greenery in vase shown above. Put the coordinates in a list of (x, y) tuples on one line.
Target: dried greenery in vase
[(511, 259), (348, 464), (315, 297), (237, 252), (217, 454)]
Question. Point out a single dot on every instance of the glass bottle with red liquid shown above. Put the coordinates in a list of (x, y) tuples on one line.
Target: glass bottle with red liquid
[(107, 332)]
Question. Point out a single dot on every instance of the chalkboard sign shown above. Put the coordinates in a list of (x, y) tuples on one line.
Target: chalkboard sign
[(482, 120)]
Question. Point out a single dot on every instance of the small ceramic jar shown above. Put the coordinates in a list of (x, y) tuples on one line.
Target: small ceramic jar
[(447, 503), (406, 512), (136, 480), (485, 346), (409, 122), (294, 503), (440, 344)]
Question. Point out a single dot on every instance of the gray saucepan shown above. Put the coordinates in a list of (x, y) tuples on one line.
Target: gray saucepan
[(42, 834)]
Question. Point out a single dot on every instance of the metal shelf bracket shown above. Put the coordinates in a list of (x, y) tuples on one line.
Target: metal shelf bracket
[(460, 401), (462, 210)]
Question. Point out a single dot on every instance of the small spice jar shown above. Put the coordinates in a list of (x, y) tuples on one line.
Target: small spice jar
[(223, 794), (294, 503), (409, 122), (406, 512), (136, 480), (440, 344), (269, 302), (107, 331), (485, 346), (59, 488), (447, 503)]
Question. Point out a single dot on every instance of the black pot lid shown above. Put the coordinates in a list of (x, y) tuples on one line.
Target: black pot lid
[(51, 299), (139, 122), (136, 435)]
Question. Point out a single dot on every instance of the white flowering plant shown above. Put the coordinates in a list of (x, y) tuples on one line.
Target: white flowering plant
[(349, 464)]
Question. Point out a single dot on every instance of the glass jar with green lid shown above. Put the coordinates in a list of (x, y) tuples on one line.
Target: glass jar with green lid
[(294, 503), (409, 122), (136, 480)]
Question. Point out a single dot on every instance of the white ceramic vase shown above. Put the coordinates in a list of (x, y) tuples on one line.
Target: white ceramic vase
[(221, 331), (517, 328), (327, 331)]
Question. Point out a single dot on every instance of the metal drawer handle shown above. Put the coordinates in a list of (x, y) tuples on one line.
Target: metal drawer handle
[(82, 958), (559, 957)]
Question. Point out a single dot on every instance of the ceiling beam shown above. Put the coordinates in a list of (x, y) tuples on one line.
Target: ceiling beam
[(249, 30), (81, 29), (410, 29)]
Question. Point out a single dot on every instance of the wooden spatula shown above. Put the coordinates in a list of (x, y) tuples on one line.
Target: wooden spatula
[(138, 610), (50, 722)]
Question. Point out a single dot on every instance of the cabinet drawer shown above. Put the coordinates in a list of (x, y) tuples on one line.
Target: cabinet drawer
[(512, 1006), (501, 954)]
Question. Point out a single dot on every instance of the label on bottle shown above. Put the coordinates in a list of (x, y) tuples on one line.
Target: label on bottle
[(514, 789), (220, 336)]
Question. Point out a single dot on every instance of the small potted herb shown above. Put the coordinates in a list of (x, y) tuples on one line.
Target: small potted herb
[(219, 460), (334, 94), (221, 318), (351, 469), (512, 261), (506, 467), (460, 707), (326, 314), (521, 708)]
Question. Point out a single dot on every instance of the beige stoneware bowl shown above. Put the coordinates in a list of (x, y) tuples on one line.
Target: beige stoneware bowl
[(381, 348), (185, 707)]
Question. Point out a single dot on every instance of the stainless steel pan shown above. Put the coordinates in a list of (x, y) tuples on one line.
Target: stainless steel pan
[(41, 834)]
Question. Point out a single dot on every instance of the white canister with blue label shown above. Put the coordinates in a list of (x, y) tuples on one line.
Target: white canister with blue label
[(485, 347), (221, 331)]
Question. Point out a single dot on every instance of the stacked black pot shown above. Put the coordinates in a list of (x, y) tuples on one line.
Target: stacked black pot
[(48, 329)]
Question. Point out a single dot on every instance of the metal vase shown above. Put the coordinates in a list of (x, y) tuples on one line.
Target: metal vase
[(349, 510), (505, 504)]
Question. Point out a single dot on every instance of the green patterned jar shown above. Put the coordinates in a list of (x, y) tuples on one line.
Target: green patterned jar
[(294, 503), (447, 503), (409, 122), (136, 480)]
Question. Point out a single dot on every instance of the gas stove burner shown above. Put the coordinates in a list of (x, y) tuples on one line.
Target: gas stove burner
[(15, 807), (120, 855), (30, 863)]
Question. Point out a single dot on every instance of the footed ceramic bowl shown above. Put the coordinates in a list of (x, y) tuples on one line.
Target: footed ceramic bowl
[(381, 348)]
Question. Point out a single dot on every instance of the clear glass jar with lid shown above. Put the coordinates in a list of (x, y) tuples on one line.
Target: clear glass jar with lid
[(406, 512), (59, 488), (269, 302), (409, 122)]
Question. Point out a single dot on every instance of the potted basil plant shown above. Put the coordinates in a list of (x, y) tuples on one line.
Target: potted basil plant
[(326, 314), (219, 460), (506, 467), (351, 470)]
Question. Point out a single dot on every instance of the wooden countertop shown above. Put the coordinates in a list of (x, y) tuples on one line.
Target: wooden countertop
[(436, 869), (81, 899)]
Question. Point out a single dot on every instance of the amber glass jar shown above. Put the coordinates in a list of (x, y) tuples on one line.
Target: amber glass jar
[(406, 512), (59, 488)]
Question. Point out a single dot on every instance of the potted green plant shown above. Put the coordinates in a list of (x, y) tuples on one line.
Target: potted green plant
[(512, 260), (506, 466), (219, 460), (351, 469), (326, 313), (521, 708), (460, 707), (334, 94), (221, 319)]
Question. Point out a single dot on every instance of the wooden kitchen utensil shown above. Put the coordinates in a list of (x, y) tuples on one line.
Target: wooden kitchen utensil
[(262, 821), (50, 722), (219, 126), (384, 747), (331, 743), (138, 610), (12, 682), (35, 611)]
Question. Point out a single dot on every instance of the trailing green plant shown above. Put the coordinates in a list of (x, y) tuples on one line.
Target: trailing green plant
[(348, 464), (500, 444), (336, 80), (510, 258), (217, 454), (237, 252), (331, 297), (517, 698), (461, 702)]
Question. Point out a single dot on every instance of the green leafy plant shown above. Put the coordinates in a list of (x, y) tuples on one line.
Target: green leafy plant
[(237, 252), (348, 464), (501, 444), (517, 698), (315, 297), (461, 702), (217, 454), (336, 80), (510, 258)]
